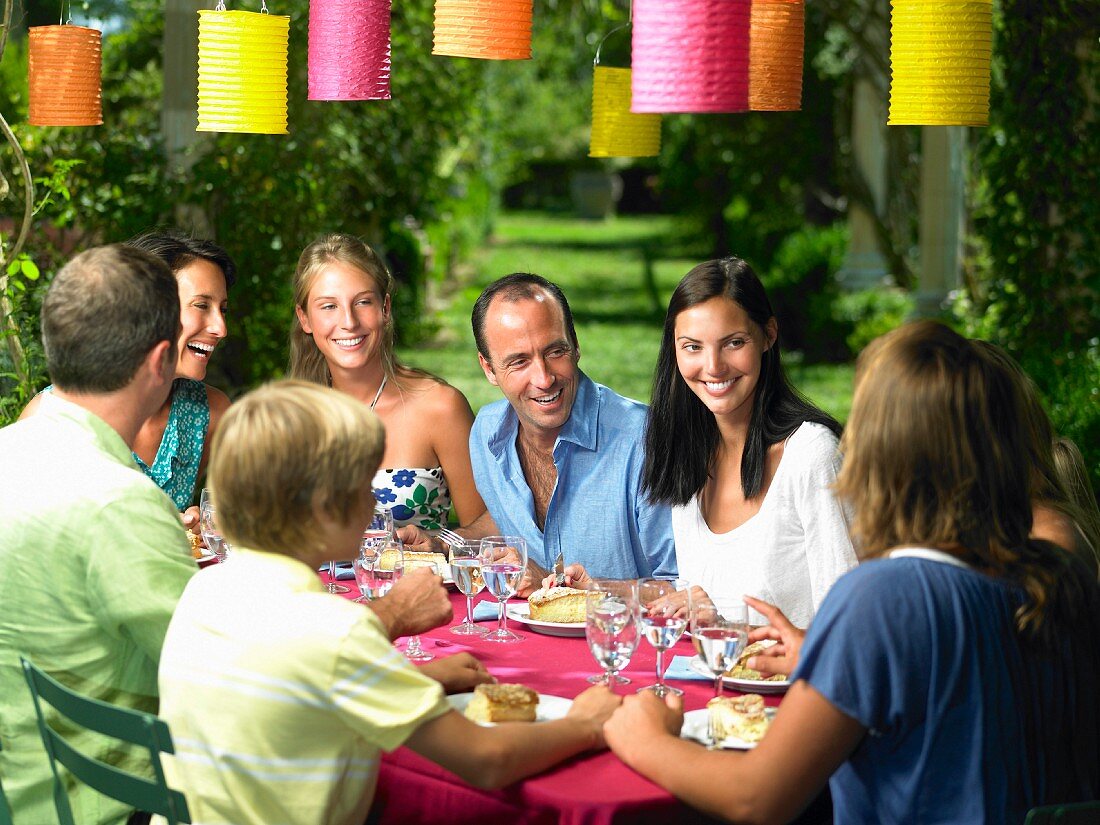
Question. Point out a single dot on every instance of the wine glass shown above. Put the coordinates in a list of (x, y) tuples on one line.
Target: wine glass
[(211, 533), (466, 572), (503, 562), (666, 607), (380, 525), (612, 614), (413, 651), (720, 631), (205, 497), (381, 562)]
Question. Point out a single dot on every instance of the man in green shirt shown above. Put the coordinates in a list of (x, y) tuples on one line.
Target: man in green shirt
[(93, 557)]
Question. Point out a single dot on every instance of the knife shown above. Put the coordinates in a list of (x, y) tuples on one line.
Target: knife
[(559, 570)]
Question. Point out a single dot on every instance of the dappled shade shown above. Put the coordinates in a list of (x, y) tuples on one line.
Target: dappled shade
[(242, 72), (64, 74)]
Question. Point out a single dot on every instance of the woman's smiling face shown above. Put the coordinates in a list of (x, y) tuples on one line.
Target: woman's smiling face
[(203, 304), (719, 349), (346, 314)]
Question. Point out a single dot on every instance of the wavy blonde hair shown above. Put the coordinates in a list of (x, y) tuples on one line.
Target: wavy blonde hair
[(935, 454), (284, 453), (306, 361)]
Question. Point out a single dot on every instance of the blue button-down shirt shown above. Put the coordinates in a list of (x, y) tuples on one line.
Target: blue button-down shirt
[(598, 514)]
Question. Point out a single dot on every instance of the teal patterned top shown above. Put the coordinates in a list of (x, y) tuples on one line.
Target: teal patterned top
[(417, 496), (176, 466)]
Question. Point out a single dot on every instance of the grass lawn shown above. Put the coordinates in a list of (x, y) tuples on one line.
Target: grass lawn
[(618, 276)]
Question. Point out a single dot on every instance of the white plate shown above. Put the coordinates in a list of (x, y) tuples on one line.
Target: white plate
[(205, 558), (743, 685), (695, 727), (521, 612), (548, 708)]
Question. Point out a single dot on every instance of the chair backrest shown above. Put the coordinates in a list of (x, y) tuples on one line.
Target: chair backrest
[(1078, 813), (133, 726), (5, 811)]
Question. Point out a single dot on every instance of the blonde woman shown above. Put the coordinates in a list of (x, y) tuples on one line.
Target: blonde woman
[(343, 337), (951, 677)]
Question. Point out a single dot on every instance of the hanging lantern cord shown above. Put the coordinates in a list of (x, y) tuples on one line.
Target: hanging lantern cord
[(263, 6), (629, 22), (220, 6), (61, 20)]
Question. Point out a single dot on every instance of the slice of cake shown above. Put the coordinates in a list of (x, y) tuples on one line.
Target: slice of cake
[(740, 670), (413, 560), (743, 717), (502, 703), (559, 605)]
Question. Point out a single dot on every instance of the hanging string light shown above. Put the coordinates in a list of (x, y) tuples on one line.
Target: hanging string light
[(486, 29), (776, 46), (939, 62), (349, 50), (65, 74), (691, 56), (242, 71), (616, 131)]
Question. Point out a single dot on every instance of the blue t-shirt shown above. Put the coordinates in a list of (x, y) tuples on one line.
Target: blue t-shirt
[(598, 514), (966, 722)]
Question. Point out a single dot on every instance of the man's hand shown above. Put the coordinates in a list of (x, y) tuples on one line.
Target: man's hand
[(575, 576), (190, 519), (642, 722), (595, 707), (676, 603), (419, 541), (782, 657), (417, 603), (458, 674)]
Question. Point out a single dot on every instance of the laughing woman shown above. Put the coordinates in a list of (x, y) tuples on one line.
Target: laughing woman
[(173, 446), (746, 462), (343, 337)]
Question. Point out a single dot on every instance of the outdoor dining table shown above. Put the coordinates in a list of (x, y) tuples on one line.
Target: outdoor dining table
[(590, 789)]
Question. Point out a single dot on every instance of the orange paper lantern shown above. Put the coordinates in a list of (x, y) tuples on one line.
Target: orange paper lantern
[(776, 37), (486, 29), (64, 72)]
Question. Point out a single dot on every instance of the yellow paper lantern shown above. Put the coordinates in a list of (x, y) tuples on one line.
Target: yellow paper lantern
[(939, 62), (242, 72), (64, 72), (776, 37), (616, 131), (486, 29)]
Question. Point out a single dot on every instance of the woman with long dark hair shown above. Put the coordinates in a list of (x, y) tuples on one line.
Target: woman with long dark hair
[(951, 677), (745, 461)]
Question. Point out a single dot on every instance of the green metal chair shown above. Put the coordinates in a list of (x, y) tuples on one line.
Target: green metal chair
[(1079, 813), (5, 811), (135, 727)]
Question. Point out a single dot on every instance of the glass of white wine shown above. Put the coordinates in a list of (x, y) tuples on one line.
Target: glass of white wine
[(211, 533), (466, 572), (719, 631), (503, 562), (666, 607), (381, 562)]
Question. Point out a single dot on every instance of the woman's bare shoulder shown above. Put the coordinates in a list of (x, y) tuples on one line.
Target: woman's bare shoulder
[(434, 398)]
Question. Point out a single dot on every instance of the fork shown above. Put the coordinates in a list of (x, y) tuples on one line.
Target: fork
[(451, 538)]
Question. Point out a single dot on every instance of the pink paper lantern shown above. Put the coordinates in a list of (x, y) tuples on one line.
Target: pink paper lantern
[(691, 56), (349, 50)]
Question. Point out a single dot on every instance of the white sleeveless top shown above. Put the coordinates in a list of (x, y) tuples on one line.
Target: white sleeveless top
[(790, 552)]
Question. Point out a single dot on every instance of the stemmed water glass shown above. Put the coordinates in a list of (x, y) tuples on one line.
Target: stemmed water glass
[(666, 607), (211, 533), (466, 572), (503, 562), (720, 631), (381, 562), (413, 651), (612, 615)]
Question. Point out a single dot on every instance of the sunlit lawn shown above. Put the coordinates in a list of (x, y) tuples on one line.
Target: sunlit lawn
[(602, 269)]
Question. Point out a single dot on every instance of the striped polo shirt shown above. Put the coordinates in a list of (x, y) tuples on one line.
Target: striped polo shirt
[(280, 696)]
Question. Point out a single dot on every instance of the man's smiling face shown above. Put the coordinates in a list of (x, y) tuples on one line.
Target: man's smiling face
[(533, 361)]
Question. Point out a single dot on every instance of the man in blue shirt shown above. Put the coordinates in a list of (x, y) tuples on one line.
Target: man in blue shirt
[(558, 461)]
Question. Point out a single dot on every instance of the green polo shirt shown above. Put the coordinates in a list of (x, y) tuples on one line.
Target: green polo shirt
[(92, 562)]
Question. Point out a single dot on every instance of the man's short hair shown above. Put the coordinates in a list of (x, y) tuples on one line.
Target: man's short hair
[(103, 313), (285, 451), (516, 287)]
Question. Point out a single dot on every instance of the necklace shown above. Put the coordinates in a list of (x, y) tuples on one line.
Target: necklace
[(378, 394)]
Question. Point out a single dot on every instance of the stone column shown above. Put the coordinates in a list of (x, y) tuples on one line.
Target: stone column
[(942, 215)]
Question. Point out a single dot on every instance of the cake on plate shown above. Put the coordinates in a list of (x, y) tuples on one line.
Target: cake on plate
[(502, 703), (558, 605), (413, 560), (743, 717)]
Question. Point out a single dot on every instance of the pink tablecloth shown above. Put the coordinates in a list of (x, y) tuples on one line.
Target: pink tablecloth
[(594, 789)]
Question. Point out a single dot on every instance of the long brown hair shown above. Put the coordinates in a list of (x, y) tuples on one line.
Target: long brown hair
[(935, 455), (306, 361)]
